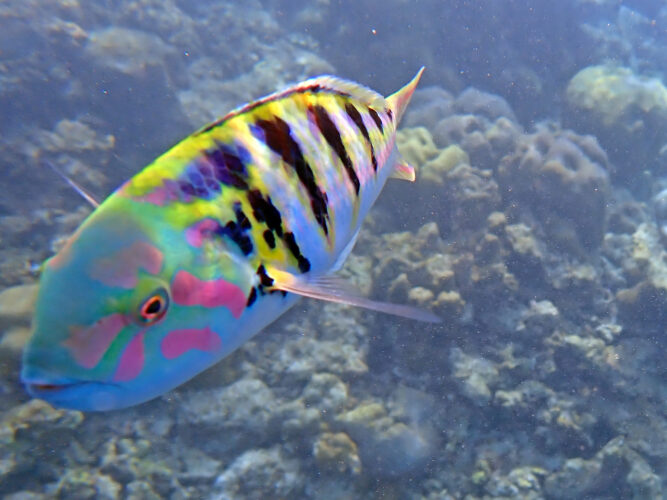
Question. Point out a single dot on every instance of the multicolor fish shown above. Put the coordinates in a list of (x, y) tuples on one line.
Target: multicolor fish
[(213, 241)]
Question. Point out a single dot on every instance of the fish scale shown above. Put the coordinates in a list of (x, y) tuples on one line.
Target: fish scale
[(213, 241)]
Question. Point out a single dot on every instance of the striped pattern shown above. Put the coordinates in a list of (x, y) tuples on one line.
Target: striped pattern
[(285, 176)]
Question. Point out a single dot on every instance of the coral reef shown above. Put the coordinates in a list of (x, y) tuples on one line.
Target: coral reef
[(564, 178), (543, 250), (625, 110)]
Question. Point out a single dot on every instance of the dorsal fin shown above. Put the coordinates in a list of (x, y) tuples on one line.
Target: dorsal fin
[(343, 87), (325, 83)]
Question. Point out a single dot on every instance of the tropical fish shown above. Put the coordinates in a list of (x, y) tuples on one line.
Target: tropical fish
[(213, 241)]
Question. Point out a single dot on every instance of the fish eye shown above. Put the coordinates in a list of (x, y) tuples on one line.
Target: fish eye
[(154, 307)]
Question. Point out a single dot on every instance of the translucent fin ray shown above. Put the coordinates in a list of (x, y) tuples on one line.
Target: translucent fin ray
[(332, 289), (81, 191)]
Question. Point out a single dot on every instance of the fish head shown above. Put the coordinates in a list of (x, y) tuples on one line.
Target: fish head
[(132, 306)]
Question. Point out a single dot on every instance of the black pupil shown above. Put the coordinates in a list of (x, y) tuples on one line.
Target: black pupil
[(154, 306)]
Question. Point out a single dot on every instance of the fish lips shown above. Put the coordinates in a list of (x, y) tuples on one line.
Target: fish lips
[(75, 394)]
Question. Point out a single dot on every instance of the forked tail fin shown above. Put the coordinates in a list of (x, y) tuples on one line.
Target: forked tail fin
[(399, 100)]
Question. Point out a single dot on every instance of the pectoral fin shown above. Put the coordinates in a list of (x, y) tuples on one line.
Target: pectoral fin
[(334, 289)]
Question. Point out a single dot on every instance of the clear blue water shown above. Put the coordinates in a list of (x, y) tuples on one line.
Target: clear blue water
[(537, 229)]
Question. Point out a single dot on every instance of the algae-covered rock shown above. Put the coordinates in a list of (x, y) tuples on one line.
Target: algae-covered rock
[(128, 459), (540, 319), (325, 391), (229, 418), (261, 473), (522, 482), (435, 170), (38, 420), (17, 304), (416, 145), (386, 446), (615, 470), (627, 112), (523, 243), (16, 308), (476, 375), (563, 179), (645, 303), (337, 452), (304, 356), (84, 484)]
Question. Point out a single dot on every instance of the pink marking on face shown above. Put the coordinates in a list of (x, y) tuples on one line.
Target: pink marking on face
[(188, 290), (88, 344), (196, 233), (132, 361), (122, 268), (178, 342)]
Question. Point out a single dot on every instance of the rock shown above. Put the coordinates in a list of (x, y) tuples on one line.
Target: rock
[(449, 305), (26, 495), (128, 460), (522, 482), (387, 447), (17, 305), (197, 467), (472, 194), (435, 170), (229, 418), (576, 479), (475, 376), (259, 474), (645, 304), (523, 242), (563, 179), (37, 419), (84, 484), (303, 356), (420, 296), (14, 338), (540, 319), (476, 102), (299, 421), (626, 111), (336, 452), (416, 146), (326, 392), (140, 490), (615, 468)]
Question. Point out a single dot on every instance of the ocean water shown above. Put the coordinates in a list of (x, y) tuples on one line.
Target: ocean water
[(536, 229)]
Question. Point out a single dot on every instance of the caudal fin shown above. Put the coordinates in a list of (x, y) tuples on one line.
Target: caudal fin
[(398, 101)]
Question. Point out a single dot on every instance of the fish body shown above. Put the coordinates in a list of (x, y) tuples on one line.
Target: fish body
[(211, 242)]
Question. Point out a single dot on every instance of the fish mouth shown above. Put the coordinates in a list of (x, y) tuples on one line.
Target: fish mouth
[(82, 395), (43, 388)]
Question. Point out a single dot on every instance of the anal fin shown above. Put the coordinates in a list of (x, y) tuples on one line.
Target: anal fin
[(403, 171)]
